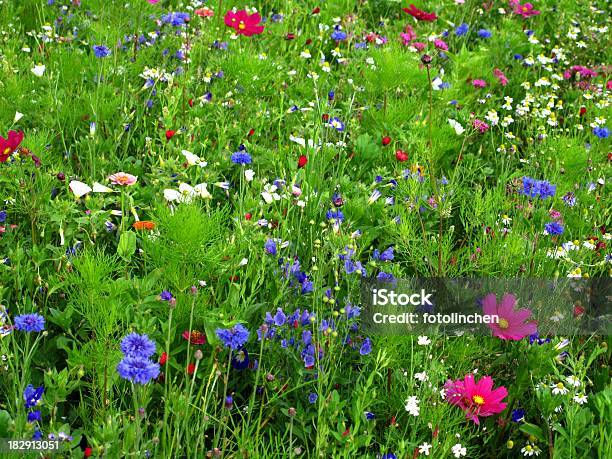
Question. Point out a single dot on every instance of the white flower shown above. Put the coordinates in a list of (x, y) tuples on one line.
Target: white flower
[(186, 193), (269, 193), (459, 450), (421, 376), (249, 174), (39, 70), (559, 388), (423, 341), (424, 448), (530, 450), (18, 116), (573, 381), (193, 160), (243, 262), (456, 126), (580, 399), (412, 405)]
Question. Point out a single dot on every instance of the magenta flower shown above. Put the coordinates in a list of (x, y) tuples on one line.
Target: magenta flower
[(440, 44), (511, 324), (476, 398), (503, 80), (526, 10), (480, 125), (479, 83)]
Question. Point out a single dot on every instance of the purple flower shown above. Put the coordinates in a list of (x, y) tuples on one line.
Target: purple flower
[(233, 338), (30, 322), (554, 228), (270, 247), (366, 347), (135, 345), (34, 416), (241, 157), (32, 395), (101, 51), (176, 19), (138, 370), (165, 295), (462, 29), (312, 398), (518, 415)]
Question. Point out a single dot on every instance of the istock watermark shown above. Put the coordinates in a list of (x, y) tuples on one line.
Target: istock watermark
[(485, 306)]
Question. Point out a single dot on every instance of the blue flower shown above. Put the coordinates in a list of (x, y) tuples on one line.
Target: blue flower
[(176, 19), (462, 29), (2, 216), (569, 199), (101, 51), (366, 347), (270, 247), (229, 402), (312, 398), (387, 255), (32, 395), (336, 124), (601, 132), (388, 456), (335, 215), (280, 318), (37, 435), (546, 189), (135, 345), (518, 415), (233, 338), (554, 228), (138, 370), (484, 33), (241, 157), (34, 416), (30, 322), (338, 35), (165, 295), (240, 359), (369, 415)]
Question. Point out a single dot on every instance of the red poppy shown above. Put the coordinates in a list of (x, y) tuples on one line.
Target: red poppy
[(386, 140), (10, 144), (190, 368), (251, 132), (317, 10), (401, 156), (248, 216), (420, 15), (87, 452), (195, 337), (163, 358), (302, 161), (169, 134), (244, 23), (190, 102)]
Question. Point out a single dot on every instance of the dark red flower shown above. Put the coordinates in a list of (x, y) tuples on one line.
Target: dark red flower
[(87, 452), (420, 15), (169, 134), (309, 41), (10, 144), (583, 111), (163, 358), (244, 23), (578, 310), (401, 156), (190, 368), (317, 10), (190, 102), (251, 132), (386, 140), (195, 337), (302, 161), (290, 36), (248, 216), (325, 117)]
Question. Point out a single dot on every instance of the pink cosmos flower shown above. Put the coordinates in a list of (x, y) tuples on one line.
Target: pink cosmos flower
[(479, 83), (503, 80), (244, 23), (122, 179), (511, 324), (526, 10), (476, 398)]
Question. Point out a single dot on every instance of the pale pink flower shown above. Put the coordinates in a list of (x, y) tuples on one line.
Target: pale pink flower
[(122, 179), (511, 324)]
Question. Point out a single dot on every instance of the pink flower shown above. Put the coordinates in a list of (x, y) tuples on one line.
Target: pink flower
[(409, 33), (503, 80), (244, 23), (526, 10), (204, 12), (476, 398), (122, 179), (480, 125), (440, 44), (511, 324), (419, 46), (153, 2), (420, 15), (479, 83)]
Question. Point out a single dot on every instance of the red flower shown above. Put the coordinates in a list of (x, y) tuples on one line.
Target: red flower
[(169, 134), (87, 452), (163, 358), (290, 36), (195, 337), (190, 102), (10, 144), (401, 156), (302, 161), (325, 117), (248, 216), (317, 10), (190, 368), (420, 14), (251, 132), (386, 140), (578, 310), (244, 23)]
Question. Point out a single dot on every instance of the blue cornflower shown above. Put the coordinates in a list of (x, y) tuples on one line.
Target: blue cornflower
[(385, 277), (366, 347), (234, 337), (336, 124), (554, 228), (229, 402), (135, 345), (240, 359), (307, 287), (312, 398), (176, 19), (331, 95), (241, 157), (101, 51), (37, 435), (518, 415), (32, 395), (165, 295), (138, 370), (2, 216), (34, 416), (270, 247), (484, 33), (546, 189), (389, 456), (518, 57), (338, 35), (30, 322), (462, 29), (535, 338), (369, 415), (276, 17), (569, 199), (530, 187), (601, 132), (335, 215)]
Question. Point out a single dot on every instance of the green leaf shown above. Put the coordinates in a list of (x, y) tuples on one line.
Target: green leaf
[(127, 245), (532, 429)]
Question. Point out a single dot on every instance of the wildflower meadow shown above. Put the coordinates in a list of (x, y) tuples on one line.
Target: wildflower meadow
[(305, 229)]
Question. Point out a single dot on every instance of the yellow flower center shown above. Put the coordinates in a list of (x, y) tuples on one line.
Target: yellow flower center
[(6, 151), (503, 324), (242, 25), (560, 386), (478, 399)]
